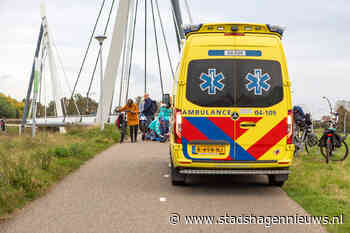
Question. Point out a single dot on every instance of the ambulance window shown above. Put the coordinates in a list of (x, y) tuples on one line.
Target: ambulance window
[(210, 83), (234, 83), (259, 83)]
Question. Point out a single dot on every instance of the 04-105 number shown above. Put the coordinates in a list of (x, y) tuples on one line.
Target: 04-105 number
[(267, 113)]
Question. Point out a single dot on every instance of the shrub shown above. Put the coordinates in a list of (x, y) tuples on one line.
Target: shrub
[(61, 152), (43, 159), (76, 149)]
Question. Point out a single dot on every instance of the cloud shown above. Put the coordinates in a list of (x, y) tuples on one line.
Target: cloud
[(5, 77)]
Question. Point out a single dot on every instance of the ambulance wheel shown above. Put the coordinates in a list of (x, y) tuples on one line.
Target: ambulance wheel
[(177, 178), (277, 180)]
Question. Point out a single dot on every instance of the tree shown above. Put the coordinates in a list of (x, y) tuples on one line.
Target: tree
[(341, 110), (7, 110)]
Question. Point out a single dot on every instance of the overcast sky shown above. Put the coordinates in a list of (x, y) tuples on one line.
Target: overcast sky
[(315, 42)]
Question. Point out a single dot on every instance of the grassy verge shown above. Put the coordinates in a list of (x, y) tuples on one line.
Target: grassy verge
[(30, 166), (321, 189)]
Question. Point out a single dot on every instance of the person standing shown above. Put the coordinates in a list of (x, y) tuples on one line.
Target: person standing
[(3, 125), (147, 112), (121, 124), (164, 117), (133, 120)]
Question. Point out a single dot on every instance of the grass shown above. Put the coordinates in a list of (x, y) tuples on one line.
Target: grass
[(321, 189), (30, 166)]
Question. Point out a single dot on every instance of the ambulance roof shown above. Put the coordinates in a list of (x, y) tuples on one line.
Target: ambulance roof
[(233, 29)]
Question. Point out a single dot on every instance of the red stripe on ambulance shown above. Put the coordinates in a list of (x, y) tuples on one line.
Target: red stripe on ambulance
[(225, 124), (269, 140), (189, 132)]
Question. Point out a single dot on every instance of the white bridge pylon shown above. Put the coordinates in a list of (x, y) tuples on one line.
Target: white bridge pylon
[(123, 21), (47, 42)]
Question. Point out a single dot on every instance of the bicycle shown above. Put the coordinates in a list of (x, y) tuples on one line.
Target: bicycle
[(333, 146), (303, 135)]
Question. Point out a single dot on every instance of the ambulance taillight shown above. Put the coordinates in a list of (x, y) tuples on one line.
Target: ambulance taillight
[(290, 127), (178, 126)]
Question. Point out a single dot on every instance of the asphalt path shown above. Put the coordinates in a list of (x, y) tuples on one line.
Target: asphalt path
[(127, 188)]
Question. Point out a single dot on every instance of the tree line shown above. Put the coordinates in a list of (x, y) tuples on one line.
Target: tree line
[(12, 108)]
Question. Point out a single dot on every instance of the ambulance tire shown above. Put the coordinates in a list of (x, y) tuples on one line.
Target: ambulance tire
[(177, 178), (276, 180)]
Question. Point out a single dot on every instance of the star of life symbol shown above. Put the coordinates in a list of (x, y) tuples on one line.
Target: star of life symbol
[(212, 81), (258, 81)]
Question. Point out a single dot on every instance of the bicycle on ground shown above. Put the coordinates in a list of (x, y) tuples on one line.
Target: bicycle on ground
[(333, 146), (303, 135)]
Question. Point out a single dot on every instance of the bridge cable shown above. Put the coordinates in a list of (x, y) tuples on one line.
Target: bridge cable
[(88, 48), (123, 71), (65, 76), (145, 46), (132, 49), (105, 32), (188, 11), (45, 87), (164, 38), (67, 81), (128, 41), (42, 65), (41, 75), (157, 49), (178, 38), (98, 57)]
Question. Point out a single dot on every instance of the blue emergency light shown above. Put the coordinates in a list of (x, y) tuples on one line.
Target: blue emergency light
[(275, 28)]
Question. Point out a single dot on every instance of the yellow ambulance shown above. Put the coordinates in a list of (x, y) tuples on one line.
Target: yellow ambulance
[(232, 103)]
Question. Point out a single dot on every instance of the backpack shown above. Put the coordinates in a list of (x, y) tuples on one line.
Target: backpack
[(154, 107), (336, 139), (120, 121)]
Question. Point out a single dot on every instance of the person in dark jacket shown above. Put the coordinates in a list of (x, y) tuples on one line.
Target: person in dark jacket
[(3, 125), (147, 112)]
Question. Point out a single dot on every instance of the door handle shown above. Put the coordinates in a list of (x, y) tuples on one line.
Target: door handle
[(247, 124)]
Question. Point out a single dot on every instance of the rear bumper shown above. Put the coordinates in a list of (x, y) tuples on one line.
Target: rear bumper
[(283, 161), (198, 171)]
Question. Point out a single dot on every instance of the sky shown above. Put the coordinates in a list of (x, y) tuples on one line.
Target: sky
[(315, 43)]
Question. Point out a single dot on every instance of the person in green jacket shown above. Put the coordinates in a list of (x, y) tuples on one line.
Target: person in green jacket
[(164, 118)]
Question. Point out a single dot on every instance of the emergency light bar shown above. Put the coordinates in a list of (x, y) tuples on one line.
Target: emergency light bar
[(234, 29), (191, 28)]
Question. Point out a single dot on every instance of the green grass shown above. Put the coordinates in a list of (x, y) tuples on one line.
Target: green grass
[(321, 189), (30, 166)]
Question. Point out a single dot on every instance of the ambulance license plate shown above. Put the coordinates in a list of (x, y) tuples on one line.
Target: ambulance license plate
[(208, 149)]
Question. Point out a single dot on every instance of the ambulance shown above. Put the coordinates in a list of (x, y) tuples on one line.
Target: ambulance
[(232, 108)]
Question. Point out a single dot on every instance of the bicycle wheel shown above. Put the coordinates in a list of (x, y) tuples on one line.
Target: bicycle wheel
[(335, 154), (298, 134), (307, 147), (311, 140)]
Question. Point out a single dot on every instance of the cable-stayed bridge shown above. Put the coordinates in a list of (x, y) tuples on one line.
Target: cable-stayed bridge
[(66, 110)]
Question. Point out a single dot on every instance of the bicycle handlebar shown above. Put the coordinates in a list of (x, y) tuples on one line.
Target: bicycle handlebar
[(329, 104)]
